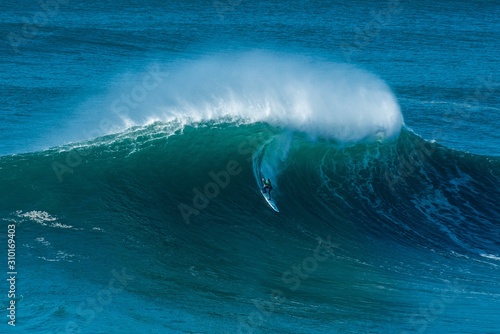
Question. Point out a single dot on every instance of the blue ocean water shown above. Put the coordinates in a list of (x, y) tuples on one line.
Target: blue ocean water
[(132, 135)]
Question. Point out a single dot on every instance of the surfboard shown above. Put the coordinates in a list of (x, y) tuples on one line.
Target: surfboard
[(270, 202)]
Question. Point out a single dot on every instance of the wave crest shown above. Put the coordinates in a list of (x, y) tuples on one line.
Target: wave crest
[(319, 98)]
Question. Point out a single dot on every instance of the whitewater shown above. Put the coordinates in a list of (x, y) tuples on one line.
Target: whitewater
[(133, 137)]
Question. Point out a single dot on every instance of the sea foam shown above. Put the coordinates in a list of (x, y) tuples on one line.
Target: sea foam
[(320, 98)]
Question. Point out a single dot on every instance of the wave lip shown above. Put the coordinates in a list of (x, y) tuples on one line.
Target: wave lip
[(323, 99)]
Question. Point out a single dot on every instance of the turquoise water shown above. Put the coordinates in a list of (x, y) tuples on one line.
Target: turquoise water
[(132, 134)]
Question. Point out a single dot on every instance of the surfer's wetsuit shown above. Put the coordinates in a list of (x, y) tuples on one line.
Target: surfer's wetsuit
[(267, 185)]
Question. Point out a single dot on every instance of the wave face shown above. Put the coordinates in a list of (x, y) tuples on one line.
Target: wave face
[(133, 135), (179, 207)]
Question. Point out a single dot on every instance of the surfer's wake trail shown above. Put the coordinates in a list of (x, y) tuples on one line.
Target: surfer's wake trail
[(176, 188)]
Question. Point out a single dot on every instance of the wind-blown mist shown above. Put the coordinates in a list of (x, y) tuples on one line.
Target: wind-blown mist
[(319, 98)]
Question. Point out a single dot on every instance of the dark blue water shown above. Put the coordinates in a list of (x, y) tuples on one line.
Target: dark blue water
[(131, 135)]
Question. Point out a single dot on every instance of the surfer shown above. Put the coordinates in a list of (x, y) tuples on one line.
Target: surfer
[(267, 187)]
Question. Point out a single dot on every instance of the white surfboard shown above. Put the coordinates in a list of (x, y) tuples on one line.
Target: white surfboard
[(270, 202)]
